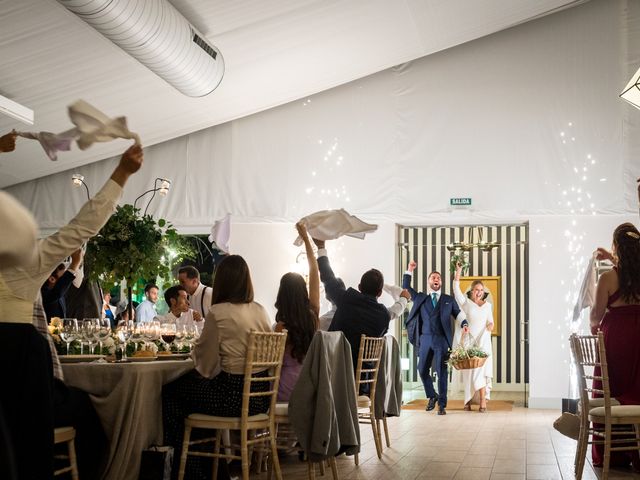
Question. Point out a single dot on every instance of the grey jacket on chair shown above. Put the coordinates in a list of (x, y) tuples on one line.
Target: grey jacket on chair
[(322, 406), (389, 386)]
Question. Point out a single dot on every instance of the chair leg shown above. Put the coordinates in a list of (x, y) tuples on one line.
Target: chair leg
[(607, 451), (275, 461), (356, 459), (244, 453), (321, 465), (376, 435), (185, 449), (72, 459), (386, 431), (216, 449), (334, 467), (312, 470), (581, 448)]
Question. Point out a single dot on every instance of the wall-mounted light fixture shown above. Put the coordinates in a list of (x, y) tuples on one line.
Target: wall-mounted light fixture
[(77, 180), (161, 186)]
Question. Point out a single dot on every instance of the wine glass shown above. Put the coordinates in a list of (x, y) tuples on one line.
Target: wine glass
[(89, 332), (103, 330), (137, 334), (190, 332), (123, 331), (152, 331), (69, 331), (168, 334), (179, 337)]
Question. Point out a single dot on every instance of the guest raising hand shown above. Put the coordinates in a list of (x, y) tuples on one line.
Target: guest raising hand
[(298, 314)]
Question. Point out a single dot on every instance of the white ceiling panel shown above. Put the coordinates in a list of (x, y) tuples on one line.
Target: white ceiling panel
[(275, 51)]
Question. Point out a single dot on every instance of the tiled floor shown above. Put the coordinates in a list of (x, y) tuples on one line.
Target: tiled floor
[(521, 444)]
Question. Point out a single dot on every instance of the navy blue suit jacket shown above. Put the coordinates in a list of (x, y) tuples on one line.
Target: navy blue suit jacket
[(415, 323), (356, 313)]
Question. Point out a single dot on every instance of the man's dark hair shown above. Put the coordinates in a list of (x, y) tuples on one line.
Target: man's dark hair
[(372, 282), (173, 292), (192, 272), (149, 286), (435, 271)]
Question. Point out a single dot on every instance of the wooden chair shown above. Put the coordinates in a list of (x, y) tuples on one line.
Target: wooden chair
[(367, 374), (589, 352), (286, 435), (265, 351), (67, 435)]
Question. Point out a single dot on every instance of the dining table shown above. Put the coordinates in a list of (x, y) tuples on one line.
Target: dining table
[(128, 400)]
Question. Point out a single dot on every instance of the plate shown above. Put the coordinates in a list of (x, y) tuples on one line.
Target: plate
[(79, 358), (175, 356), (142, 359)]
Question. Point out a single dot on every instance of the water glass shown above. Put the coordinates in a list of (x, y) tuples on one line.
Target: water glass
[(69, 331)]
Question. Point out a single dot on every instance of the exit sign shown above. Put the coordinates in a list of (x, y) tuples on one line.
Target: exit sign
[(460, 202)]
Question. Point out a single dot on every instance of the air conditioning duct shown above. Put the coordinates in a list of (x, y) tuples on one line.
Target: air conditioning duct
[(158, 36)]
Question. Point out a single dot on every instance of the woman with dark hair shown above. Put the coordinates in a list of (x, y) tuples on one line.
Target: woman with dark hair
[(215, 386), (298, 314), (616, 312)]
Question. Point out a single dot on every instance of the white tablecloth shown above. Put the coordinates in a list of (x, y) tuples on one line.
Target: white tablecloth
[(127, 397)]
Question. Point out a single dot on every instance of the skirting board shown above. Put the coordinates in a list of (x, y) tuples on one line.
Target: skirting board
[(550, 403)]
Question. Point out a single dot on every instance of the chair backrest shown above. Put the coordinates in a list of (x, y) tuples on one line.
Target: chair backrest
[(369, 363), (265, 351), (591, 364)]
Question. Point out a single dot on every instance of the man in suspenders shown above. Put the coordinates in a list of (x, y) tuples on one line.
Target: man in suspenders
[(199, 295)]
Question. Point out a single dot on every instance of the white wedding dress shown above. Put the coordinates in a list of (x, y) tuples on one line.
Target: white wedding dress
[(479, 317)]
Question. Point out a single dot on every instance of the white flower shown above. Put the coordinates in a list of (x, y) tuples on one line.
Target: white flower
[(110, 344)]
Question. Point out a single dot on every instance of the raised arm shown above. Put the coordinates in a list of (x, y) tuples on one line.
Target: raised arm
[(314, 274), (399, 306), (91, 218), (334, 288), (406, 280), (460, 297)]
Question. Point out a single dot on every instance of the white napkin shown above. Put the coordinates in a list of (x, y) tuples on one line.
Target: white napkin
[(91, 126), (220, 233), (332, 224), (393, 290), (587, 295)]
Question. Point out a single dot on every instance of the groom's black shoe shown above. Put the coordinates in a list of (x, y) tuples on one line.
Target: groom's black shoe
[(432, 403), (441, 411)]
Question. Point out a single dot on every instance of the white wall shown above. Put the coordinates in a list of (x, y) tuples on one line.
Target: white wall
[(560, 248), (270, 253)]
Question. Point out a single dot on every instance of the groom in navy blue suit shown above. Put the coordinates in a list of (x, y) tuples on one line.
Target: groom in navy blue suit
[(429, 331)]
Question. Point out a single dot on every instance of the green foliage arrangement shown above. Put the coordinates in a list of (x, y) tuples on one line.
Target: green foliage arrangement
[(459, 257), (132, 246)]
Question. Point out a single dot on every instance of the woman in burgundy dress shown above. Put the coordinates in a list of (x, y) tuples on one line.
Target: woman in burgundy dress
[(617, 313)]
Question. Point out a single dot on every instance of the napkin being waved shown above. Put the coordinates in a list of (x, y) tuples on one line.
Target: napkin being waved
[(91, 126), (220, 234), (332, 224)]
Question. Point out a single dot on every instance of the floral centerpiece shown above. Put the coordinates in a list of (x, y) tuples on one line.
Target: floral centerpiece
[(132, 246), (463, 358)]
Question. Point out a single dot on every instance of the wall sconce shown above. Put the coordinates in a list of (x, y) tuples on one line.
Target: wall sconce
[(77, 180), (162, 189)]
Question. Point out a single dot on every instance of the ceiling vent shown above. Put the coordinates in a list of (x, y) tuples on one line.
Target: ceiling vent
[(158, 36)]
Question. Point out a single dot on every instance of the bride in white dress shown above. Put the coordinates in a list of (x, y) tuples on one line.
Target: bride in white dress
[(477, 381)]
